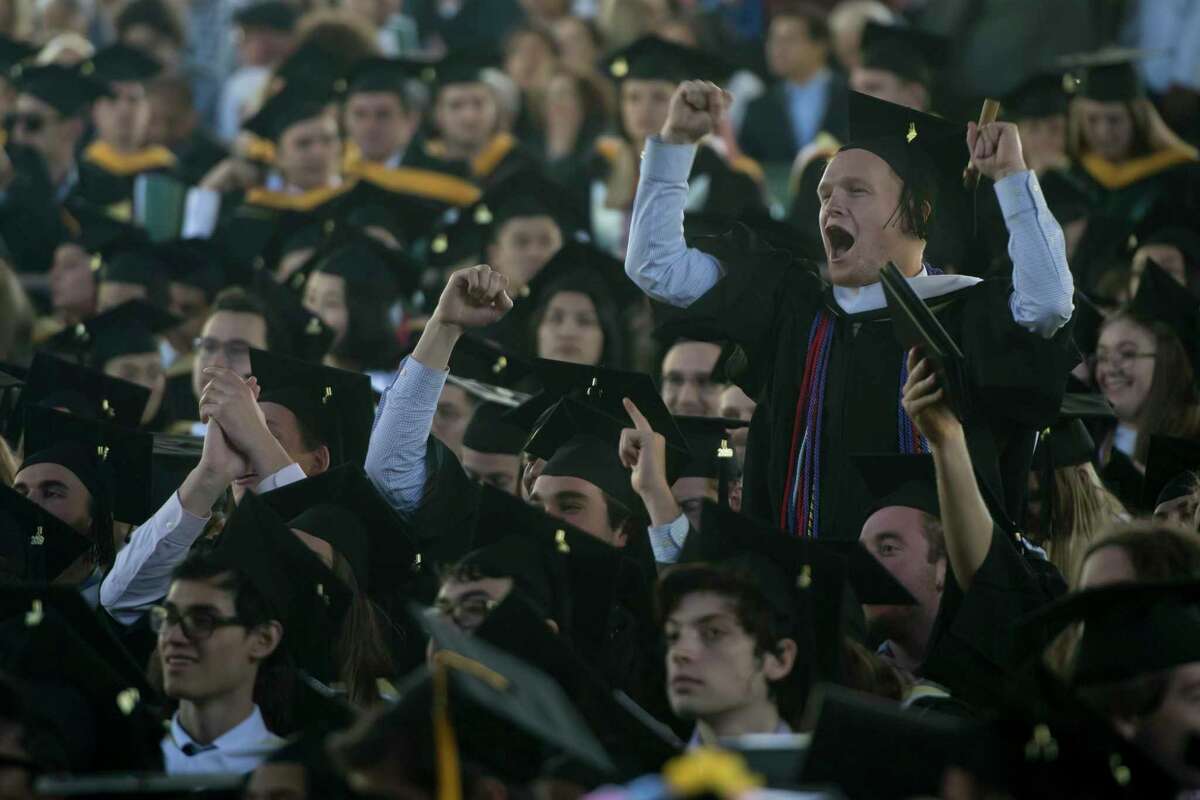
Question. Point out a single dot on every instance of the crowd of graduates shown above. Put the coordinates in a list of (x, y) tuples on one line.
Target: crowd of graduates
[(635, 399)]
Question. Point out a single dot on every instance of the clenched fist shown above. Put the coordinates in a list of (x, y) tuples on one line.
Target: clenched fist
[(697, 108)]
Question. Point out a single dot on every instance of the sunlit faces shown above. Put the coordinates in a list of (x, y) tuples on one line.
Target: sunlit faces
[(859, 221), (308, 153), (325, 296), (225, 341), (1125, 358), (454, 410), (712, 666), (220, 665), (644, 106), (144, 369), (570, 330), (378, 124), (578, 502), (466, 115), (500, 470), (889, 86), (522, 246), (897, 537), (1108, 128), (57, 489), (123, 119), (687, 384)]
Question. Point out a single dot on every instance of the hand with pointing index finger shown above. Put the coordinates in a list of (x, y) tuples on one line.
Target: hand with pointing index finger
[(645, 452)]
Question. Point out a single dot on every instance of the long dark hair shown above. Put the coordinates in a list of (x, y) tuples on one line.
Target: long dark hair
[(361, 650), (613, 353), (370, 341)]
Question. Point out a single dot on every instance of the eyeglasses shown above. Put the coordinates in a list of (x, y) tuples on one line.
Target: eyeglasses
[(468, 613), (1120, 359), (233, 350), (32, 123), (197, 624)]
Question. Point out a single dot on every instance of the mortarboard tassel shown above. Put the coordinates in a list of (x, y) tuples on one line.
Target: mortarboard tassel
[(449, 771)]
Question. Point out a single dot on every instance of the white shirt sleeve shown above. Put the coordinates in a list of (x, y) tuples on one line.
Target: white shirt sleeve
[(141, 574), (1042, 300), (667, 540), (400, 438), (658, 259)]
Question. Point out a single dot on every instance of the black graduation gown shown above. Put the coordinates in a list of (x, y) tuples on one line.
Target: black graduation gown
[(31, 220), (196, 156), (107, 178), (766, 305), (502, 156), (613, 632)]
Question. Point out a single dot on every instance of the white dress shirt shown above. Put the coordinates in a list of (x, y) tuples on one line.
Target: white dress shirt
[(237, 751), (660, 262), (141, 575)]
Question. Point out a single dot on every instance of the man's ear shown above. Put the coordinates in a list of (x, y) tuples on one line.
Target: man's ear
[(323, 459), (265, 639), (778, 664), (926, 211), (940, 570)]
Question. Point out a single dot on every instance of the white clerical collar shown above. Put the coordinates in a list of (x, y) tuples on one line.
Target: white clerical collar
[(860, 299), (249, 733)]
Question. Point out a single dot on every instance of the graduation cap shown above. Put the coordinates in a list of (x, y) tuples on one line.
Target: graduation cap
[(173, 458), (912, 54), (404, 201), (526, 193), (1171, 466), (652, 58), (379, 74), (127, 329), (582, 267), (360, 258), (65, 89), (465, 65), (490, 432), (1160, 298), (457, 239), (486, 362), (578, 441), (297, 102), (308, 338), (900, 480), (137, 263), (13, 52), (602, 389), (922, 149), (1185, 240), (275, 15), (101, 234), (303, 594), (193, 262), (1129, 629), (637, 742), (35, 545), (334, 404), (480, 695), (1067, 442), (917, 326), (112, 462), (344, 508), (85, 392), (315, 67), (1043, 94), (98, 711), (119, 63), (1107, 75), (712, 456)]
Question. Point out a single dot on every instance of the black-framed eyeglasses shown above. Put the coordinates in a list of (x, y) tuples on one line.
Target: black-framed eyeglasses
[(1120, 358), (468, 613), (197, 623), (33, 123)]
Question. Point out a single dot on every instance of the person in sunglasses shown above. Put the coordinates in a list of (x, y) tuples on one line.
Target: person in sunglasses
[(38, 170)]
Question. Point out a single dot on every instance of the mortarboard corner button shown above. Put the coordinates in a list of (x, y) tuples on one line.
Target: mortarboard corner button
[(39, 537), (483, 215), (1121, 773), (313, 327), (560, 541), (35, 614), (619, 68), (87, 68), (1043, 746), (96, 263), (416, 564), (912, 133), (500, 365), (439, 244)]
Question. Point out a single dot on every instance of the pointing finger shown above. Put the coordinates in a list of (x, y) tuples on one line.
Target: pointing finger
[(639, 420)]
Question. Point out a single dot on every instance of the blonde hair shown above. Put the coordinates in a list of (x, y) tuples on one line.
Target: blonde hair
[(8, 463), (1082, 509), (1150, 131), (16, 318)]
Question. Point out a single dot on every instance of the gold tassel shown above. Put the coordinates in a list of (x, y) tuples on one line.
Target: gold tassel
[(449, 771)]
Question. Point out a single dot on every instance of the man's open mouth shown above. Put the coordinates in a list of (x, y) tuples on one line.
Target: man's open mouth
[(840, 241)]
